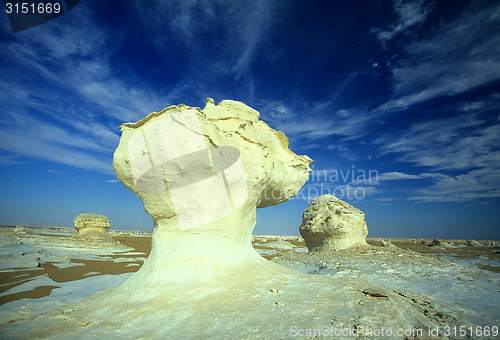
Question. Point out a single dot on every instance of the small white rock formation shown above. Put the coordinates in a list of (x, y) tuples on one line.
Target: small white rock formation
[(279, 244), (387, 244), (92, 233), (474, 243), (440, 243), (491, 243), (329, 223), (88, 224), (201, 174)]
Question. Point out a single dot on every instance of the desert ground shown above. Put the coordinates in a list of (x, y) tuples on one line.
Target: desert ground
[(452, 284)]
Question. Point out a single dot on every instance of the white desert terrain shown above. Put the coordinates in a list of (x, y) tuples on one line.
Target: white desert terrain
[(45, 272), (201, 175)]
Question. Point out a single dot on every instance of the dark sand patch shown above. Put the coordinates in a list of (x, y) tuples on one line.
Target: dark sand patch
[(13, 278), (140, 244), (90, 266), (490, 268), (35, 293)]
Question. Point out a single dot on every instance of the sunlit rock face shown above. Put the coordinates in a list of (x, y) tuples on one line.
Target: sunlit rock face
[(86, 224), (92, 231), (329, 223), (201, 174)]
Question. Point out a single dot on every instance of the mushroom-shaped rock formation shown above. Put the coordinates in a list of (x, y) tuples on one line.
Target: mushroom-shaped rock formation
[(88, 224), (330, 224), (201, 174), (92, 232)]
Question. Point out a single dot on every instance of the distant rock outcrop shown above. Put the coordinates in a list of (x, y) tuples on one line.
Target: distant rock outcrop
[(329, 223), (88, 224), (92, 233), (387, 244), (440, 243), (489, 243), (474, 243), (279, 244)]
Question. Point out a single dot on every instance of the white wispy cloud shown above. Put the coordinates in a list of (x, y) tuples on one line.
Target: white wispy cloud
[(242, 25), (460, 54), (461, 142), (62, 99), (62, 78), (32, 146), (472, 185), (72, 140), (385, 199), (395, 176), (467, 144), (322, 120), (472, 106), (10, 160), (409, 14)]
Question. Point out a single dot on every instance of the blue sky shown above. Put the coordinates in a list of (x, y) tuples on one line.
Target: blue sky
[(407, 91)]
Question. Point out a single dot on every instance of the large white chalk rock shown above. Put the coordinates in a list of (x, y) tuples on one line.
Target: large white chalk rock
[(329, 223), (201, 174)]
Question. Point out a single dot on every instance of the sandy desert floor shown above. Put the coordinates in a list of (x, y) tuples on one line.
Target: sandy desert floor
[(43, 268)]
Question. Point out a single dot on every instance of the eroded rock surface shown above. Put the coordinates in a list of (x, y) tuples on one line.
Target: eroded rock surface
[(329, 223), (440, 243), (92, 232), (91, 223), (201, 174), (387, 244), (474, 243)]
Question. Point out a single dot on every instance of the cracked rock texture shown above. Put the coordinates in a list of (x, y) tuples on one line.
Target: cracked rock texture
[(329, 223), (90, 223), (201, 174)]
